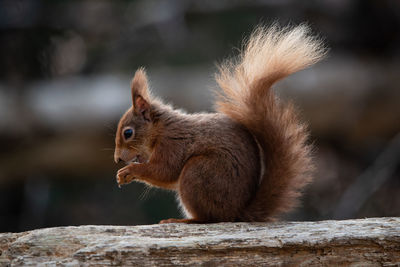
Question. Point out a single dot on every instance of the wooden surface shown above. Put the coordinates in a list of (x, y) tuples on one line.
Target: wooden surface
[(367, 242)]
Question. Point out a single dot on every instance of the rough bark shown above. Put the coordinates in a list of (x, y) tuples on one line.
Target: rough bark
[(367, 242)]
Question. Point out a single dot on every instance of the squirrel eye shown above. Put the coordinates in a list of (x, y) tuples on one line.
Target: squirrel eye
[(128, 133)]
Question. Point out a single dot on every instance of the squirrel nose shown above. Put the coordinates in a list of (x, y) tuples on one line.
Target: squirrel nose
[(117, 158)]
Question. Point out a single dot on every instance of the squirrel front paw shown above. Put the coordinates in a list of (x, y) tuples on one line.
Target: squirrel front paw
[(124, 176)]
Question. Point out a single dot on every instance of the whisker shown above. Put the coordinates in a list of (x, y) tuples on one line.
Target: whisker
[(106, 149), (110, 126), (145, 193)]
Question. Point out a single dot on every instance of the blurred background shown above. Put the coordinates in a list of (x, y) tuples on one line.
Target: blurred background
[(65, 69)]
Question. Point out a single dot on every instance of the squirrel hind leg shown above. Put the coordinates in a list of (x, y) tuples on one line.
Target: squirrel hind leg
[(211, 189)]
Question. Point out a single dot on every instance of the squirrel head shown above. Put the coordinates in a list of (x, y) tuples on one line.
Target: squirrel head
[(133, 132)]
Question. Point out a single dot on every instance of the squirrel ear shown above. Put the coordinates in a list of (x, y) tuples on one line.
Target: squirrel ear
[(140, 94), (141, 107), (139, 85)]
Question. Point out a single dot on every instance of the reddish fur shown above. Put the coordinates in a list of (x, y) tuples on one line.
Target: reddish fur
[(213, 161)]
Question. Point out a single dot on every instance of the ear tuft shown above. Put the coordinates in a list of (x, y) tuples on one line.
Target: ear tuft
[(139, 85)]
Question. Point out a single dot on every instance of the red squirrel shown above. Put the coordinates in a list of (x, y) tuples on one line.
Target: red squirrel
[(249, 161)]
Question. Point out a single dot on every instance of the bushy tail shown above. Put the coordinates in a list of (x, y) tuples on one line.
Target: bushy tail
[(269, 55)]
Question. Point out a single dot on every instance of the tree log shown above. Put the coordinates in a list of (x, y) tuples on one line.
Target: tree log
[(365, 242)]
